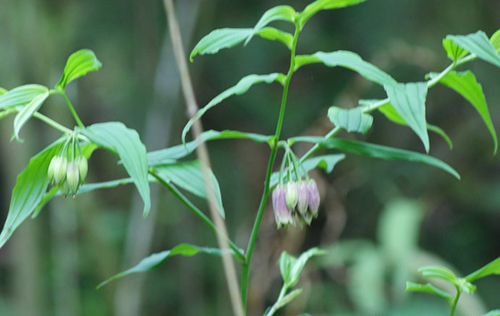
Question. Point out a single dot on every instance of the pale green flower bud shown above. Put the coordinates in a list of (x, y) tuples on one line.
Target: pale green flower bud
[(83, 167), (60, 168), (73, 177), (292, 195), (52, 166), (64, 188)]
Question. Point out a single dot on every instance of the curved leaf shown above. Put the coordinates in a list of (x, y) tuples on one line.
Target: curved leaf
[(319, 5), (78, 65), (408, 99), (479, 45), (378, 151), (274, 34), (220, 39), (453, 51), (29, 190), (466, 85), (495, 41), (155, 260), (241, 87), (188, 175), (292, 267), (489, 269), (279, 13), (21, 95), (348, 60), (2, 91), (429, 288), (125, 142), (352, 120), (27, 112), (169, 155)]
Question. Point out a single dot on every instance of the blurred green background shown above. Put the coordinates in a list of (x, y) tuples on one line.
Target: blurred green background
[(380, 220)]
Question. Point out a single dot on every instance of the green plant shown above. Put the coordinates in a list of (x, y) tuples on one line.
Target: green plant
[(295, 195)]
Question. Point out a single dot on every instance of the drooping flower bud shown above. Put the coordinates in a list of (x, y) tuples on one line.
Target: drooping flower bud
[(64, 188), (52, 167), (60, 169), (292, 195), (282, 213), (73, 177), (83, 167), (313, 196), (303, 201)]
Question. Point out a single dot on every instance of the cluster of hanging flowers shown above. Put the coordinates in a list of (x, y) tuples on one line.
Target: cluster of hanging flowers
[(298, 197), (68, 169)]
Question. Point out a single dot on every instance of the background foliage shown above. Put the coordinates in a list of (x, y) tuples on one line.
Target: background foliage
[(52, 265)]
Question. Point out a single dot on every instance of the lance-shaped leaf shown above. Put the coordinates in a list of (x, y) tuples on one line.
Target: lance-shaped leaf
[(466, 85), (288, 298), (155, 260), (2, 91), (78, 65), (453, 51), (125, 142), (241, 87), (27, 112), (489, 269), (29, 190), (319, 5), (495, 312), (479, 45), (291, 267), (352, 120), (220, 39), (188, 175), (495, 41), (21, 95), (278, 13), (408, 99), (447, 275), (169, 155), (274, 34), (348, 60), (378, 151), (428, 288)]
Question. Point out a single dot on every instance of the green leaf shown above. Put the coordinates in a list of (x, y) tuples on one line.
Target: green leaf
[(292, 267), (378, 151), (278, 13), (439, 272), (27, 112), (348, 60), (466, 85), (78, 65), (495, 41), (155, 260), (288, 298), (327, 162), (319, 5), (495, 312), (489, 269), (21, 95), (479, 45), (241, 87), (429, 288), (352, 120), (2, 91), (188, 175), (274, 34), (220, 39), (29, 190), (125, 142), (453, 51), (391, 114), (408, 99), (169, 155)]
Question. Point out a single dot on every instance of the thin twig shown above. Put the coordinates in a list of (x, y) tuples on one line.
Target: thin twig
[(202, 153)]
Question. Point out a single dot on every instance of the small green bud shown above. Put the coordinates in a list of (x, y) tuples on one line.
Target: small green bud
[(73, 177), (60, 168), (292, 195), (52, 166), (83, 167), (64, 188)]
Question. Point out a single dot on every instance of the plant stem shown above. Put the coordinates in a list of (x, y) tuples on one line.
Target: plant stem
[(237, 251), (70, 106), (275, 307), (455, 301), (245, 272), (52, 123)]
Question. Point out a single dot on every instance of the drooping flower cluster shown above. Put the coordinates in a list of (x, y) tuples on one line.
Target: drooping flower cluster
[(296, 199), (68, 169)]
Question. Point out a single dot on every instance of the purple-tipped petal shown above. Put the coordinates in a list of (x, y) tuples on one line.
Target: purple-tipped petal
[(282, 213), (303, 202), (313, 196)]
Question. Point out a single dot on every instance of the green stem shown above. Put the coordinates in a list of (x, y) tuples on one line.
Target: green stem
[(265, 195), (70, 106), (52, 123), (275, 307), (455, 302), (237, 251)]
